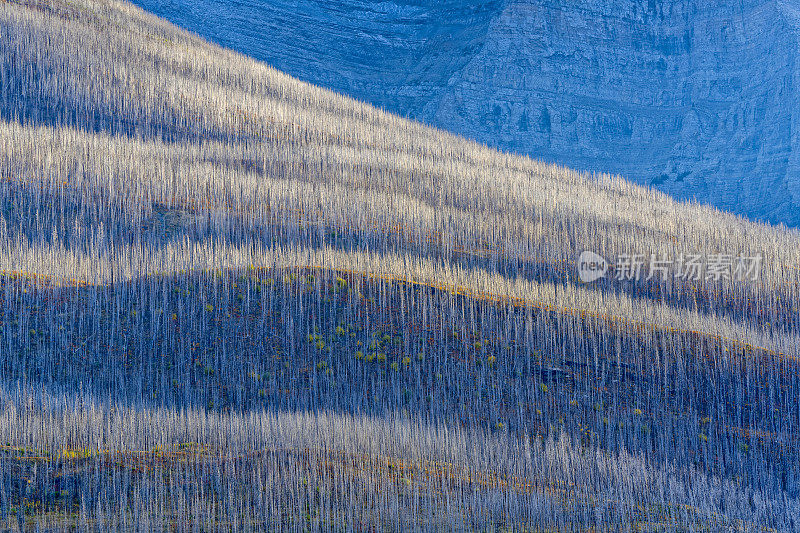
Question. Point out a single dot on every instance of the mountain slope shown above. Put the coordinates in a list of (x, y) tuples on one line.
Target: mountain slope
[(233, 300), (698, 99)]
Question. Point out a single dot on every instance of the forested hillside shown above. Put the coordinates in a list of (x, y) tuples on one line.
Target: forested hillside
[(232, 300)]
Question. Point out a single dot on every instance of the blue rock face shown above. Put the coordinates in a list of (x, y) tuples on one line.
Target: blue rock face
[(699, 98)]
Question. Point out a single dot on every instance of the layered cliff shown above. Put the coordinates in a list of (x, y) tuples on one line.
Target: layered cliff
[(697, 98)]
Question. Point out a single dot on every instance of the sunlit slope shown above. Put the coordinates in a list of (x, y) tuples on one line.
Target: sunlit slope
[(666, 94), (130, 147)]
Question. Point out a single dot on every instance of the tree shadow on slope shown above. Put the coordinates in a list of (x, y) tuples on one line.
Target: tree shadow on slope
[(73, 221), (309, 339)]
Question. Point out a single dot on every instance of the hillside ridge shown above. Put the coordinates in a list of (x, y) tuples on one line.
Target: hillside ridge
[(694, 98)]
